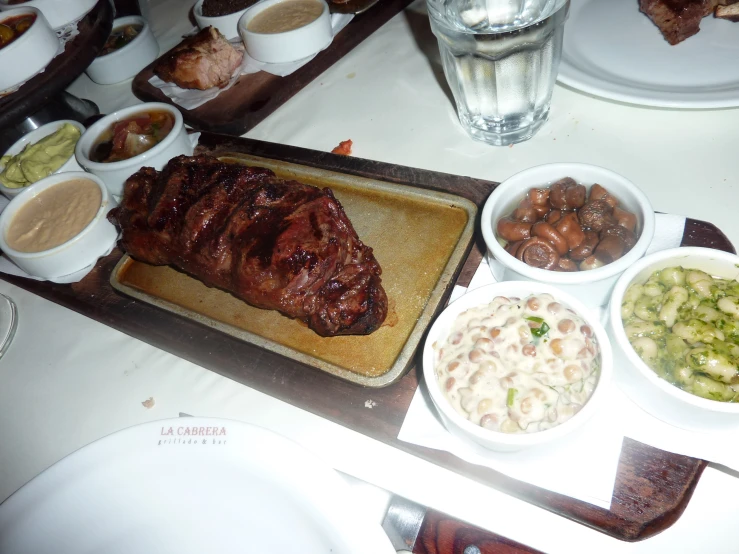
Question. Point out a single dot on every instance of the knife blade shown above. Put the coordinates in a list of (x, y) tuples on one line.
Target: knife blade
[(402, 522), (415, 529)]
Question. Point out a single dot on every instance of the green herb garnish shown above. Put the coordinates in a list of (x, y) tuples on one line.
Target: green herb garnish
[(511, 394), (542, 329)]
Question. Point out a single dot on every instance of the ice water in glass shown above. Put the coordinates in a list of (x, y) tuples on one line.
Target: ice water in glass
[(500, 58)]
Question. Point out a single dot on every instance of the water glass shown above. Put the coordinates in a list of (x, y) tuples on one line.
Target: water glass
[(500, 58), (8, 322)]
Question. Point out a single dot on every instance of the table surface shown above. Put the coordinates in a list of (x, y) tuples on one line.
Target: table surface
[(389, 96)]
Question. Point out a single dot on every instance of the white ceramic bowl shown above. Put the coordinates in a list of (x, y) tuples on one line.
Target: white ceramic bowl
[(28, 54), (592, 287), (57, 12), (115, 174), (75, 254), (35, 136), (290, 45), (227, 25), (125, 62), (653, 394), (494, 440)]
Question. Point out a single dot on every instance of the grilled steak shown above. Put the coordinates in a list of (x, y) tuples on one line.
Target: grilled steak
[(201, 61), (677, 19), (680, 19), (276, 244)]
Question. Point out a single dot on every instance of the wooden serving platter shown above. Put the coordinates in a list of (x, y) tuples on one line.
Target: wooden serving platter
[(257, 95), (652, 487)]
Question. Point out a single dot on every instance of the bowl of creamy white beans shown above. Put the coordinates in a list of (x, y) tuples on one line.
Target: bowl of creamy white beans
[(516, 364), (674, 318)]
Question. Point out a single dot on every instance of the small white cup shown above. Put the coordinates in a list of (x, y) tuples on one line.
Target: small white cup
[(29, 53), (290, 45), (496, 440), (592, 287), (227, 25), (77, 253), (35, 136), (127, 61), (114, 174), (648, 390), (57, 12)]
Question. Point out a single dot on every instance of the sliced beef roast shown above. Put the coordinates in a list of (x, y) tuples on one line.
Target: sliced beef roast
[(276, 244)]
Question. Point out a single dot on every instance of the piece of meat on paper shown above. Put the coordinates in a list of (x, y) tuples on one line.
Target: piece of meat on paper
[(276, 244), (202, 61)]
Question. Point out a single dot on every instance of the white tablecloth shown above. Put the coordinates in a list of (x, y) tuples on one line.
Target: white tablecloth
[(67, 380)]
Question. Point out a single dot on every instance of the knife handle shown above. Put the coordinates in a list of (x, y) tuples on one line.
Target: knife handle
[(440, 534)]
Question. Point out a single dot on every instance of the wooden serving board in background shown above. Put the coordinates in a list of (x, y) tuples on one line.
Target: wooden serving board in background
[(257, 95), (79, 53), (652, 488)]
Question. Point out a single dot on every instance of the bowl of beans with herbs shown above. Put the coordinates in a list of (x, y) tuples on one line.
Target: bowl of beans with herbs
[(577, 226), (516, 364), (674, 317)]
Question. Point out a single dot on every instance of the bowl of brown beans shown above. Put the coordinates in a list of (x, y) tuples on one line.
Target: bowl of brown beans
[(576, 226)]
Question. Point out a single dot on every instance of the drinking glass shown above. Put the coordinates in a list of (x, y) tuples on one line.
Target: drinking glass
[(8, 322), (500, 58)]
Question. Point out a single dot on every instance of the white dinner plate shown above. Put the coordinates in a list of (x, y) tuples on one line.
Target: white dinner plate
[(613, 50), (188, 485)]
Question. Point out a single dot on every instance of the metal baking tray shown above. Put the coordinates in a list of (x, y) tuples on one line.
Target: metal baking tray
[(420, 238)]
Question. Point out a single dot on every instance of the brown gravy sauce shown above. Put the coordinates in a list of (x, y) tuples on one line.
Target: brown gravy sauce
[(55, 216)]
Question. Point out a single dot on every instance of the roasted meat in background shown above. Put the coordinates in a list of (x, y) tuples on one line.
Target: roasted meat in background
[(681, 19), (201, 61), (276, 244)]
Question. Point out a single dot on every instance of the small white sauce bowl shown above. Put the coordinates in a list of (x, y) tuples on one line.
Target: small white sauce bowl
[(290, 45), (653, 394), (496, 440), (592, 287), (57, 12), (33, 137), (29, 53), (227, 25), (114, 174), (75, 254), (127, 61)]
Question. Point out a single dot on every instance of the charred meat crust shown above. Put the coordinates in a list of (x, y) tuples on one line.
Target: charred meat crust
[(680, 19), (276, 244), (202, 61)]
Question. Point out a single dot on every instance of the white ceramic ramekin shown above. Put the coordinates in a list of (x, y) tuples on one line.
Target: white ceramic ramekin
[(57, 12), (652, 393), (35, 136), (495, 440), (290, 45), (227, 25), (114, 174), (125, 62), (29, 53), (592, 287), (75, 254)]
